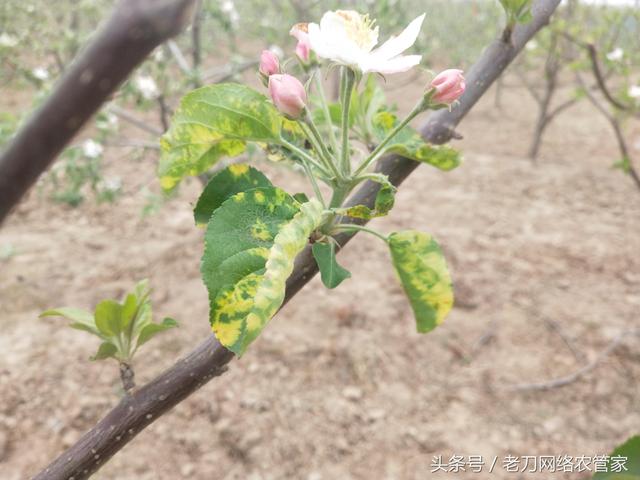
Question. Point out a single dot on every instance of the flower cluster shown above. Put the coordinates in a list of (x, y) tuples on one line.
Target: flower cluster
[(348, 38)]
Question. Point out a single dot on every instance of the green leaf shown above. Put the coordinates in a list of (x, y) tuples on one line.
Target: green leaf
[(627, 453), (213, 122), (519, 10), (624, 164), (250, 244), (81, 319), (331, 272), (129, 311), (424, 275), (226, 183), (301, 197), (385, 199), (152, 329), (408, 143), (142, 291), (106, 350), (107, 316)]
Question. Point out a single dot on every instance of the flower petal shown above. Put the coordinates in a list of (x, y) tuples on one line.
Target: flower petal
[(330, 40), (395, 65), (396, 45)]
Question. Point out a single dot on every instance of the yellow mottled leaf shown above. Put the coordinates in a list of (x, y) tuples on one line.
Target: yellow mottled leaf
[(425, 277)]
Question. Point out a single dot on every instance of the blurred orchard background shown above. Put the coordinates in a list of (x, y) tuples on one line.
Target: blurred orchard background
[(541, 224)]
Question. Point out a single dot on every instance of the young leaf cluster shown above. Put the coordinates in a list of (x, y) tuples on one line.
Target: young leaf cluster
[(122, 326)]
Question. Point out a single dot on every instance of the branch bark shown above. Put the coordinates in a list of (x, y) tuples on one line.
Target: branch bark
[(133, 31), (210, 359), (617, 130)]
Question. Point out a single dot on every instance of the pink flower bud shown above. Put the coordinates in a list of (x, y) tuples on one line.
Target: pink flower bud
[(301, 32), (288, 94), (269, 63), (449, 86)]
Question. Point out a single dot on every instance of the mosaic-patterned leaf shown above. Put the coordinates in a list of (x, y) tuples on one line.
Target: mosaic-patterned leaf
[(289, 242), (385, 199), (251, 241), (224, 184), (408, 143), (213, 122), (424, 275)]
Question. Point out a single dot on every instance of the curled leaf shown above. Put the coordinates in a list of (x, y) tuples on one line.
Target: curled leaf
[(250, 244)]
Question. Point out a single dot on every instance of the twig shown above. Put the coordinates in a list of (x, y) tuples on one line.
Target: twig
[(127, 376), (573, 377), (529, 86), (179, 57), (617, 130), (553, 325), (486, 337), (165, 112), (196, 40), (592, 53), (133, 143), (597, 73), (133, 120), (133, 31), (222, 74), (144, 405)]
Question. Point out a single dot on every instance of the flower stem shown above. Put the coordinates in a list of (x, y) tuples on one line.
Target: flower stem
[(304, 156), (339, 194), (359, 228), (373, 156), (307, 161), (314, 182), (327, 114), (347, 82), (316, 140)]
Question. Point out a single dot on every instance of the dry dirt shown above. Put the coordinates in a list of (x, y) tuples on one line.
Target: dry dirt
[(340, 386)]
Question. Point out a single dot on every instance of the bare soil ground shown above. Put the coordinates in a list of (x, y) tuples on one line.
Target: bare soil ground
[(339, 386)]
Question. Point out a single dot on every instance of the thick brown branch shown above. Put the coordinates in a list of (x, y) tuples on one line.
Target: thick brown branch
[(135, 29), (143, 406)]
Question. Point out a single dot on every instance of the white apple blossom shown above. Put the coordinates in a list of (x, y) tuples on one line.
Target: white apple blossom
[(277, 51), (348, 38), (615, 55), (147, 87), (112, 120), (40, 73), (91, 148), (229, 7), (634, 91), (158, 54), (111, 184), (7, 40)]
